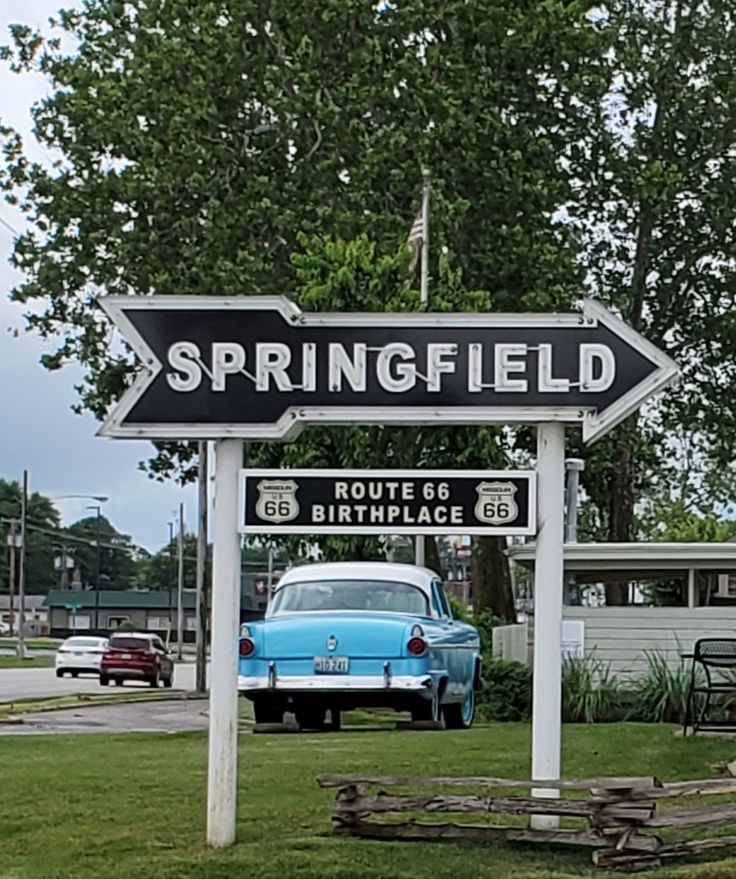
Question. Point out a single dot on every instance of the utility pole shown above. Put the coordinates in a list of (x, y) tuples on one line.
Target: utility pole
[(180, 589), (201, 668), (13, 544), (22, 576)]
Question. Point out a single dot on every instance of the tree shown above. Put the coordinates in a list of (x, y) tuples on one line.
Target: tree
[(656, 203), (160, 571), (117, 553), (246, 147), (41, 547)]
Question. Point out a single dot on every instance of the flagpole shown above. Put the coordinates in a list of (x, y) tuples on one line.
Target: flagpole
[(424, 284), (419, 544)]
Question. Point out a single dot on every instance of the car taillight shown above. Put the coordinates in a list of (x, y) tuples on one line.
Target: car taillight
[(416, 646), (247, 647)]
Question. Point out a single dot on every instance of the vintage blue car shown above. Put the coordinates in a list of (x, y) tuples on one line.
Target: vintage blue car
[(361, 634)]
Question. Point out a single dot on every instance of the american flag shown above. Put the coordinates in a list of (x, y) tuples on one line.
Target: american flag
[(416, 235)]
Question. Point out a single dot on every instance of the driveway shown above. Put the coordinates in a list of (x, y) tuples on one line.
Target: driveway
[(163, 717), (34, 683)]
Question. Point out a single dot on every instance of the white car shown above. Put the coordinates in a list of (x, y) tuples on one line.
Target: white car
[(4, 628), (81, 654)]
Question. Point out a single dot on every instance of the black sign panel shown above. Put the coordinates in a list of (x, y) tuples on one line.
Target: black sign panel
[(388, 502), (257, 367)]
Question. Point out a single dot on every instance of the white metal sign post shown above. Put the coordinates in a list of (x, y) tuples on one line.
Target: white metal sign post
[(222, 779), (548, 586), (258, 368)]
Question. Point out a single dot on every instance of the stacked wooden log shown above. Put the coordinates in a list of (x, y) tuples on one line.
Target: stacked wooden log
[(616, 819)]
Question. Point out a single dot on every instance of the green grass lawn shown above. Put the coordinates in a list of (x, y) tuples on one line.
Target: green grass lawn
[(28, 662), (125, 806), (32, 643)]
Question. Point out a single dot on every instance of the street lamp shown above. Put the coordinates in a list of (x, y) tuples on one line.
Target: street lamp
[(96, 507)]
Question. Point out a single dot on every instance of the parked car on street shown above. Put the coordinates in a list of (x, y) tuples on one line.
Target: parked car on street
[(80, 654), (342, 636), (136, 656)]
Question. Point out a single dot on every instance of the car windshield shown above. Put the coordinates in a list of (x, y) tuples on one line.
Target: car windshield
[(371, 595), (82, 642), (130, 643)]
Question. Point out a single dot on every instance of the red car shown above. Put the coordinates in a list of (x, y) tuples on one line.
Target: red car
[(136, 656)]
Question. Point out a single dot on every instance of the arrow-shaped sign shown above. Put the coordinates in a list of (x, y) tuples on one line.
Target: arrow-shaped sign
[(259, 368)]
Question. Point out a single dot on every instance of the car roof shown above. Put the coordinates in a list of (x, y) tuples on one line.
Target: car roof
[(87, 638), (413, 574), (133, 635)]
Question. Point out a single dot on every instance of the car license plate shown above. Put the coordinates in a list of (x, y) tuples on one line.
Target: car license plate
[(331, 665), (78, 654), (126, 656)]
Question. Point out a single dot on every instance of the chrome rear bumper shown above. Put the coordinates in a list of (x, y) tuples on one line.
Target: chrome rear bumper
[(335, 683)]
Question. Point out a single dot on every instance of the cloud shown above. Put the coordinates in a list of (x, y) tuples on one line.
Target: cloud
[(38, 430)]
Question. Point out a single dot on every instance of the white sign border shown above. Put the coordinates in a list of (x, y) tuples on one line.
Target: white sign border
[(296, 418), (372, 531)]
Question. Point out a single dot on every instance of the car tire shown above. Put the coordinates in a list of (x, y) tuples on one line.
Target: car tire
[(154, 681), (267, 712), (459, 715), (104, 680), (75, 674), (118, 682), (169, 682), (335, 723), (59, 673)]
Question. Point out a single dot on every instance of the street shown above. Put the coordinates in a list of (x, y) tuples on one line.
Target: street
[(34, 683)]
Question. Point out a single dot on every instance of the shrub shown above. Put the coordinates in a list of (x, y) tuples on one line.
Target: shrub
[(590, 693), (507, 691), (660, 695)]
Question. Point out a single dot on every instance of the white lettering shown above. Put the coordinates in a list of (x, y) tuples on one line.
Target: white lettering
[(272, 359), (228, 358), (547, 383), (183, 357), (360, 511), (341, 491), (407, 491), (377, 516), (456, 515), (309, 367), (393, 512), (343, 514), (357, 491), (475, 368), (506, 363), (437, 365), (318, 513), (440, 515), (596, 358), (340, 365), (405, 377), (423, 516)]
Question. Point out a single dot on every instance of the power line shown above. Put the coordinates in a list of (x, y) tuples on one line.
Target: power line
[(8, 226)]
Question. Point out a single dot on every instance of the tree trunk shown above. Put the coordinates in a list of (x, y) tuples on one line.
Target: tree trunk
[(621, 509), (432, 556), (492, 578)]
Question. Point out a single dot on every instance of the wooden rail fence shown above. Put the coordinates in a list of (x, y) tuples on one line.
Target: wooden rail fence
[(619, 819)]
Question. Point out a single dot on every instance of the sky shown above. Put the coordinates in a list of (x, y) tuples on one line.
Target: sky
[(38, 430)]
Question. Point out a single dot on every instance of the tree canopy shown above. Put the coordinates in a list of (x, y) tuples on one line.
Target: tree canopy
[(248, 147)]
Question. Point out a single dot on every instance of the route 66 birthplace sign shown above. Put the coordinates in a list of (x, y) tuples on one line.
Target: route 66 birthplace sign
[(388, 502)]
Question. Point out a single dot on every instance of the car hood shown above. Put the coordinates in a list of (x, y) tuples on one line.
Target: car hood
[(357, 634)]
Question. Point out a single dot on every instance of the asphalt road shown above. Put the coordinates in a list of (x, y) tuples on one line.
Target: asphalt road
[(166, 717), (33, 683)]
